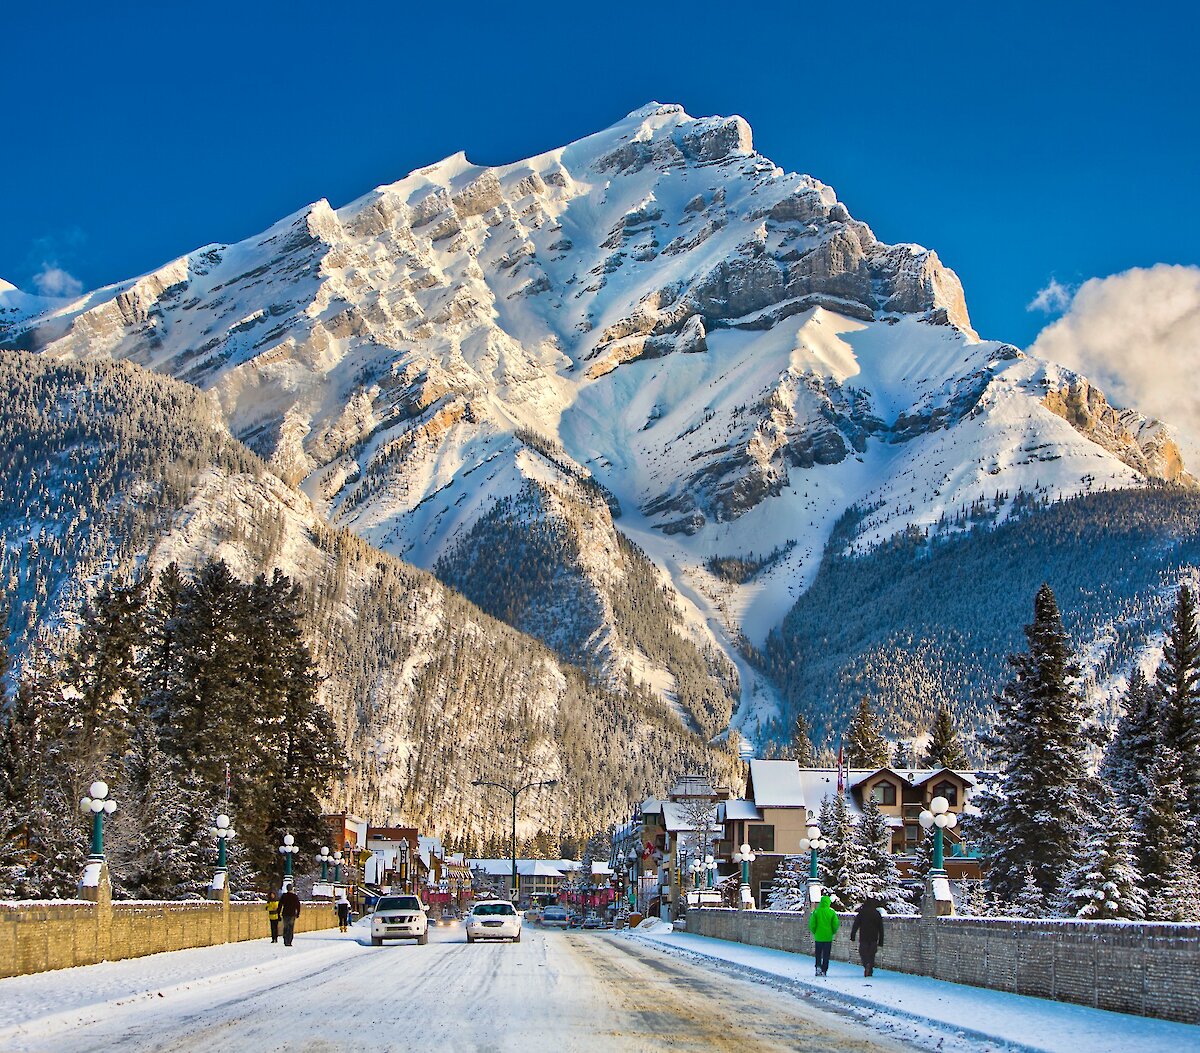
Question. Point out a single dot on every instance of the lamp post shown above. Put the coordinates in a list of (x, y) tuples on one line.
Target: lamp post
[(939, 817), (322, 857), (288, 849), (634, 857), (402, 862), (745, 856), (812, 844), (224, 833), (515, 792), (710, 865), (337, 867), (98, 804), (697, 868)]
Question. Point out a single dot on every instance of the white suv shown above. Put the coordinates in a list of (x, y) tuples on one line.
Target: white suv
[(493, 919), (399, 918)]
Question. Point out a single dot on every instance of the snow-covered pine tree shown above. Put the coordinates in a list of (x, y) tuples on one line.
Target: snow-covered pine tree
[(1171, 883), (843, 865), (944, 749), (866, 746), (881, 879), (1039, 744), (1131, 751), (1030, 900), (1178, 685), (1105, 883), (802, 747), (789, 889), (902, 755), (973, 900)]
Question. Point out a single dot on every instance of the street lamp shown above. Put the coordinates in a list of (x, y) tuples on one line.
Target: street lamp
[(745, 856), (813, 843), (402, 863), (98, 804), (710, 865), (337, 867), (223, 832), (939, 817), (322, 857), (288, 849), (515, 792), (634, 857), (697, 868)]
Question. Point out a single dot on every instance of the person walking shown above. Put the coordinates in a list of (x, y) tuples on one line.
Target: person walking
[(289, 911), (823, 923), (868, 926), (343, 912), (273, 914)]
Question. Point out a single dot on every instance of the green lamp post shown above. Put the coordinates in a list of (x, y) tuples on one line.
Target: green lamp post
[(288, 849), (224, 833), (813, 843), (323, 859), (98, 804), (938, 817), (337, 868), (746, 856), (710, 865)]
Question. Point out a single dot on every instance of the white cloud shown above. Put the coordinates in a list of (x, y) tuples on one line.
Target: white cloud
[(1053, 299), (52, 280), (1137, 336)]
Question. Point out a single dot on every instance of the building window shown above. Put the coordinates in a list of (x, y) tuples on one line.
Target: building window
[(948, 790), (761, 837), (884, 793)]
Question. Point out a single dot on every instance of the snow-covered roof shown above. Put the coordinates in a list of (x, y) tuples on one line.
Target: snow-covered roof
[(692, 786), (550, 868), (775, 784), (675, 817), (601, 869), (737, 809)]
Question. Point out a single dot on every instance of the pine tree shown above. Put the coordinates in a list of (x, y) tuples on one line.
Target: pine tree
[(1105, 884), (1030, 900), (1131, 751), (802, 747), (865, 745), (902, 755), (881, 879), (789, 889), (944, 749), (1039, 742), (1178, 684), (973, 899), (843, 865), (1170, 880)]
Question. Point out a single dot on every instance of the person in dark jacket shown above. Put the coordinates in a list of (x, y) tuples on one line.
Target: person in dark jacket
[(868, 927), (343, 912), (823, 923), (289, 911)]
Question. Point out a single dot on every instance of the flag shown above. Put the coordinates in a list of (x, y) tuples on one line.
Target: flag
[(841, 777)]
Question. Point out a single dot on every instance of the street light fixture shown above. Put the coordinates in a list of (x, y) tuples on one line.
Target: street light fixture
[(813, 843), (322, 857), (337, 867), (224, 833), (515, 792), (288, 849), (745, 856), (98, 804), (710, 865), (939, 817), (634, 858)]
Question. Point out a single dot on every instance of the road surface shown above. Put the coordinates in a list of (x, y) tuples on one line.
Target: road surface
[(554, 991)]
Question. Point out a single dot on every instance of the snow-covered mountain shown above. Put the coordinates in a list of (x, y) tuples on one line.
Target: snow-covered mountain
[(653, 330)]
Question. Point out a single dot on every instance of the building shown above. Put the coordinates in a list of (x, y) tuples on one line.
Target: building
[(782, 798), (395, 859)]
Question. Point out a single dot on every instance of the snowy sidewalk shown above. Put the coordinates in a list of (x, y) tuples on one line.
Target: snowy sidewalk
[(1010, 1021)]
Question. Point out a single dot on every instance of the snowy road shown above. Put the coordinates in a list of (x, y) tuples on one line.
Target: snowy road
[(554, 991)]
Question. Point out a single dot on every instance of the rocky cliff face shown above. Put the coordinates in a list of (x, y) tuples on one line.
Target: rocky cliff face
[(714, 343)]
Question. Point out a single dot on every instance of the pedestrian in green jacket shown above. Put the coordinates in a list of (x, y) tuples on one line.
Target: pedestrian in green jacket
[(823, 923)]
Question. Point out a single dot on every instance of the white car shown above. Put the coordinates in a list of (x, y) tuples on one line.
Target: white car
[(399, 918), (493, 919)]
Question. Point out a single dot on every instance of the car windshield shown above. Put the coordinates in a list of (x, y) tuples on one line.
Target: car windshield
[(558, 912), (494, 908), (398, 903)]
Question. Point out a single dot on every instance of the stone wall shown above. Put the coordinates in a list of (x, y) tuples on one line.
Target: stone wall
[(1152, 969), (36, 936)]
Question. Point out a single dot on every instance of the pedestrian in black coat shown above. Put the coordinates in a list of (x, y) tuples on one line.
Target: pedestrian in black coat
[(289, 911), (868, 927)]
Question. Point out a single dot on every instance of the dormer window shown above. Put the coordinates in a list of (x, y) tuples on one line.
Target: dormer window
[(946, 789), (884, 792)]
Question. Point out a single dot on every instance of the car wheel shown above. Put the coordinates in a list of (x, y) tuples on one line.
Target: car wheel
[(376, 941), (423, 938), (517, 938)]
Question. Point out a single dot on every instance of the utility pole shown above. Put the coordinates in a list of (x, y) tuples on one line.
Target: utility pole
[(516, 792)]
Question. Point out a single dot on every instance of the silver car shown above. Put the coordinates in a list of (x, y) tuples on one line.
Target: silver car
[(556, 917), (493, 920)]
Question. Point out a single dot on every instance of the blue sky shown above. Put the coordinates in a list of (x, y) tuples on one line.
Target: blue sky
[(1022, 141)]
